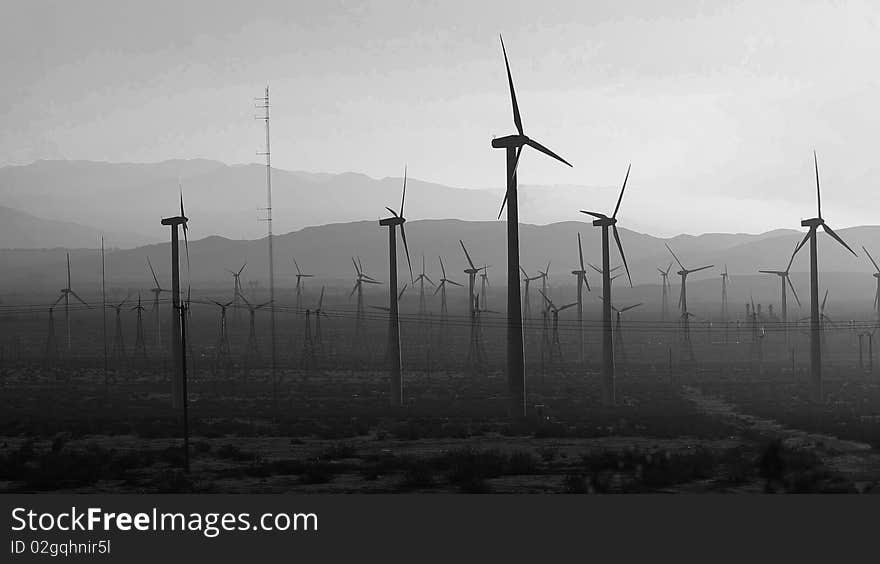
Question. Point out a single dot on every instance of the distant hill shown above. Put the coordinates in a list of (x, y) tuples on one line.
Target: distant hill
[(21, 230), (326, 252)]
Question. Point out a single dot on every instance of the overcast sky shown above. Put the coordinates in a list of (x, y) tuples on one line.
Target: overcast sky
[(715, 102)]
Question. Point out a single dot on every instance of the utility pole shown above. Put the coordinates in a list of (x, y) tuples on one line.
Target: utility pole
[(104, 311), (263, 103)]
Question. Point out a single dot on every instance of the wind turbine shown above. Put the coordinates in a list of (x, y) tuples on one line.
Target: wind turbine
[(815, 346), (66, 292), (236, 286), (223, 348), (139, 344), (396, 219), (605, 222), (617, 328), (526, 305), (555, 346), (783, 279), (682, 300), (178, 385), (157, 291), (442, 289), (360, 279), (581, 282), (299, 285), (253, 348), (513, 145), (421, 278), (877, 276), (665, 286), (472, 277), (119, 340), (484, 283), (724, 281)]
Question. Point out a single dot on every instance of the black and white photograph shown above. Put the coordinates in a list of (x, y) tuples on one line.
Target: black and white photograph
[(417, 247)]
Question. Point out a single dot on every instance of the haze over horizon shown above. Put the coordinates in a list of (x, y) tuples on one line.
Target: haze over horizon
[(718, 106)]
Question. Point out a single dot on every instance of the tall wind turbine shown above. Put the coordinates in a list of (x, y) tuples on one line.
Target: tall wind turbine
[(815, 346), (177, 390), (784, 279), (484, 283), (396, 219), (877, 276), (299, 285), (618, 329), (513, 145), (581, 282), (66, 292), (682, 301), (605, 222), (664, 284)]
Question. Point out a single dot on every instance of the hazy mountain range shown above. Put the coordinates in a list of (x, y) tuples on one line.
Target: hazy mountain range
[(326, 252), (129, 199)]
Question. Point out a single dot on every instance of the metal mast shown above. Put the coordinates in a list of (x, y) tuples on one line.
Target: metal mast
[(263, 103)]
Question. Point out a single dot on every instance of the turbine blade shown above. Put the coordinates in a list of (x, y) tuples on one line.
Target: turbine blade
[(839, 240), (622, 256), (358, 270), (517, 119), (597, 215), (802, 243), (580, 251), (872, 258), (354, 289), (394, 213), (442, 283), (442, 267), (535, 145), (675, 257), (467, 255), (406, 248), (298, 271), (793, 291), (456, 284), (156, 280), (82, 301), (68, 271), (510, 180), (701, 268), (620, 198), (403, 197), (825, 299)]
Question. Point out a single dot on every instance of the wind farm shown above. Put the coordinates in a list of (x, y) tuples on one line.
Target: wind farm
[(552, 379)]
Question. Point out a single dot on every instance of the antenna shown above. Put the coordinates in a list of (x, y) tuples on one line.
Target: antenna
[(263, 104)]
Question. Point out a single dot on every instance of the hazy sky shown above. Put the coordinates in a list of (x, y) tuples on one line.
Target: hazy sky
[(714, 102)]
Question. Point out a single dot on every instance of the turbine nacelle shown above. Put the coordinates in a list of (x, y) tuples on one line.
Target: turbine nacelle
[(389, 221), (813, 222)]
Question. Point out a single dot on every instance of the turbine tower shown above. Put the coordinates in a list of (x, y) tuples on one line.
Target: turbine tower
[(605, 222), (682, 302), (177, 384), (299, 285), (581, 282), (815, 346), (396, 219), (513, 145)]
